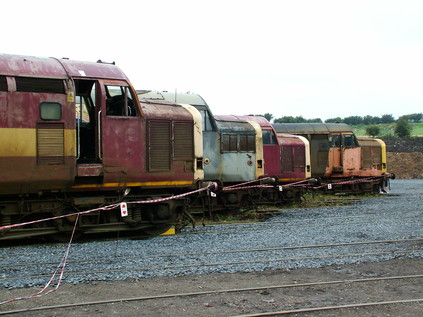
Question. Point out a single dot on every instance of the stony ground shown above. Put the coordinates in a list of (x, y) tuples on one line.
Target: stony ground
[(241, 303), (232, 304)]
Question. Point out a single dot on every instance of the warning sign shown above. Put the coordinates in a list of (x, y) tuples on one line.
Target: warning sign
[(123, 209)]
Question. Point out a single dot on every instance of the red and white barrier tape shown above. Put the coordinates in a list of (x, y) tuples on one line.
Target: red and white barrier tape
[(242, 184), (210, 186), (247, 187), (62, 264), (60, 267), (354, 181)]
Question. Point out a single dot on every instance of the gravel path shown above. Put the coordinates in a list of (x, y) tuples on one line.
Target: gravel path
[(205, 250)]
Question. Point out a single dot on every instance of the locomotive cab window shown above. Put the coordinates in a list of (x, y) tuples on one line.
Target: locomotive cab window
[(50, 111), (335, 140), (229, 143), (269, 137), (3, 83), (120, 101), (247, 143), (238, 142), (42, 85), (207, 120), (349, 140)]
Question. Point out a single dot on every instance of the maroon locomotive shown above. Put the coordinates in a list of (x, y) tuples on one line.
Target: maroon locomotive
[(74, 136)]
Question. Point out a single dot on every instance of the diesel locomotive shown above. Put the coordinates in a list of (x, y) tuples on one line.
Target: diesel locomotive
[(75, 137), (338, 156)]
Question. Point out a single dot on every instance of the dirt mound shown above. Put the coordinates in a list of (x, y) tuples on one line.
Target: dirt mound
[(406, 165), (405, 156)]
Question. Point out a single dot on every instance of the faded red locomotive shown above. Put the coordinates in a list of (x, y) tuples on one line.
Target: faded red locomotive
[(74, 136)]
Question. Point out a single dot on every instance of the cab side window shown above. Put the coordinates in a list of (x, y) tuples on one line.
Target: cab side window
[(349, 140), (207, 121), (3, 83), (120, 102), (50, 111), (269, 137), (336, 140)]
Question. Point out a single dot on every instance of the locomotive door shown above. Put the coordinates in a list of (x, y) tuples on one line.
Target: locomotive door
[(271, 149), (108, 132), (109, 138), (336, 153), (121, 133), (87, 103)]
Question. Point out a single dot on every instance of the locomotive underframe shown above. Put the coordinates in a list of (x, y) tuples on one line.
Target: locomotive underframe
[(246, 199), (62, 211)]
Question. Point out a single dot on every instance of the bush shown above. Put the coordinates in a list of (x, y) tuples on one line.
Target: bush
[(373, 130), (403, 128)]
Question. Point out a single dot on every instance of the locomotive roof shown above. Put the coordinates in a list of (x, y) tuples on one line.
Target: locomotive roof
[(311, 128), (233, 124), (50, 67), (156, 110), (289, 139), (186, 98), (263, 122)]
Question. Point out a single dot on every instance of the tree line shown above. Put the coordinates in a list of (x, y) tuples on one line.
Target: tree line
[(402, 124), (351, 120)]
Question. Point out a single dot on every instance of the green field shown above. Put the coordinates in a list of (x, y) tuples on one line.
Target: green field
[(387, 130)]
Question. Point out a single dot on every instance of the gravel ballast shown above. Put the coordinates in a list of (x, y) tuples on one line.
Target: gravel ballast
[(239, 248)]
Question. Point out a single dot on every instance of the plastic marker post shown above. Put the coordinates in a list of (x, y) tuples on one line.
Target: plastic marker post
[(123, 209)]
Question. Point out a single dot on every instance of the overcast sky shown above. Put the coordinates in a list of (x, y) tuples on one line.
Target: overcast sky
[(314, 58)]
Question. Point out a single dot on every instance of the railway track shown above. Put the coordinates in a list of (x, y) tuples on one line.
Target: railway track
[(222, 292)]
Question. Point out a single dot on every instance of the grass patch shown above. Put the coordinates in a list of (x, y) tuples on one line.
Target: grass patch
[(388, 130)]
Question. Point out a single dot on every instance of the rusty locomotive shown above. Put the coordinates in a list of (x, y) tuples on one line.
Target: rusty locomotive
[(77, 140)]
